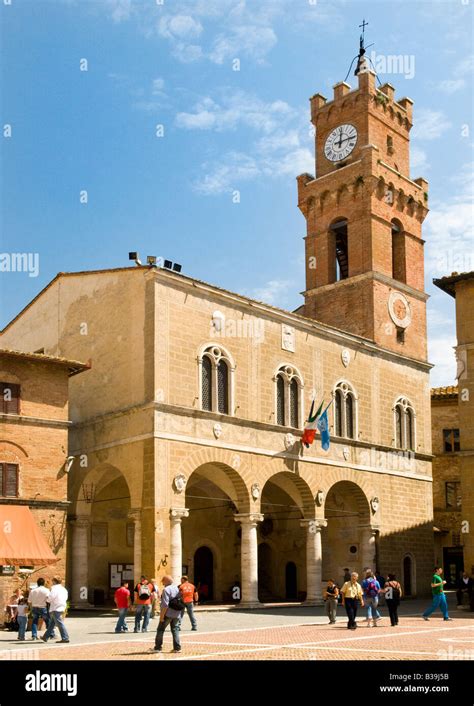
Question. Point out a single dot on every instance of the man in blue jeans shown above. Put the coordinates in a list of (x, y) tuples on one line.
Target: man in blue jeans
[(371, 588), (37, 599), (57, 607), (168, 616), (439, 596)]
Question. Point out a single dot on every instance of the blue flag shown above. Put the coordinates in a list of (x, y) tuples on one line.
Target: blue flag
[(323, 428)]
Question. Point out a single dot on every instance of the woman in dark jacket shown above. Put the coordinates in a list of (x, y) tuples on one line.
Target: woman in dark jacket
[(393, 592)]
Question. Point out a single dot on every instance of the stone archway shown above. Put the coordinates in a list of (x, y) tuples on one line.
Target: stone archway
[(289, 523), (215, 495), (348, 537), (103, 536)]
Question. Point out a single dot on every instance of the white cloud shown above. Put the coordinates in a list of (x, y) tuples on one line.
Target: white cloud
[(441, 355), (179, 27), (236, 108), (429, 124), (120, 10), (418, 159), (157, 86), (449, 228), (465, 67), (231, 169), (450, 86), (273, 292), (248, 41)]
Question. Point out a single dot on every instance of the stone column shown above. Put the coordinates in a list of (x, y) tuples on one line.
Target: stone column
[(135, 515), (80, 562), (314, 560), (176, 542), (249, 558), (368, 549)]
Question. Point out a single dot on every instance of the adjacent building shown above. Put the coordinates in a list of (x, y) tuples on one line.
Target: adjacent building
[(34, 428), (461, 288)]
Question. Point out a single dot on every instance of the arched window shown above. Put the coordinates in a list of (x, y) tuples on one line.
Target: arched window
[(398, 252), (223, 387), (339, 253), (216, 380), (280, 400), (206, 384), (288, 397), (338, 412), (345, 411), (404, 420), (294, 401)]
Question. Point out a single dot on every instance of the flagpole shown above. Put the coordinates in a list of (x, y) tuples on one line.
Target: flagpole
[(329, 405)]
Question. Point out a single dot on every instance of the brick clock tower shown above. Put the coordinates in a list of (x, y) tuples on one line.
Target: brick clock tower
[(364, 250)]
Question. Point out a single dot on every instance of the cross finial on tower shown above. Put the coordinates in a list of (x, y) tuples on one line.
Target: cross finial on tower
[(362, 36)]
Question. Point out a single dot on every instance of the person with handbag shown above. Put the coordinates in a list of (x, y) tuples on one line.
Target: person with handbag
[(393, 593), (172, 608)]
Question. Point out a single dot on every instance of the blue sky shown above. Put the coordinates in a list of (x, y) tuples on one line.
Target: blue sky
[(171, 63)]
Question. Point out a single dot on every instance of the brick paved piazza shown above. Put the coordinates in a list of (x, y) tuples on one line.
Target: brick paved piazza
[(271, 634)]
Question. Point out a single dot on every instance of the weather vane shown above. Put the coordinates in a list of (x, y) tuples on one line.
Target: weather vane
[(362, 66)]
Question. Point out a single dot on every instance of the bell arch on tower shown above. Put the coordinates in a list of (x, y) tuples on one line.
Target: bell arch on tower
[(338, 250)]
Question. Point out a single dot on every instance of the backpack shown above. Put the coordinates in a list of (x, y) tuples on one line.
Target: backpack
[(143, 591), (371, 588), (177, 602)]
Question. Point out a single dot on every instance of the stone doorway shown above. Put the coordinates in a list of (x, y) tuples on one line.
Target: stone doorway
[(204, 573), (291, 581)]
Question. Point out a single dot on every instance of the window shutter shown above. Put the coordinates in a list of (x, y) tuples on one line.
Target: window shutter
[(280, 400), (10, 398), (10, 480), (294, 421), (207, 384), (1, 478), (223, 387), (398, 426), (349, 416), (338, 413)]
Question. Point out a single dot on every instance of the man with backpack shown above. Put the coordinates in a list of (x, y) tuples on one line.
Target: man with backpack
[(171, 611), (143, 599), (371, 588)]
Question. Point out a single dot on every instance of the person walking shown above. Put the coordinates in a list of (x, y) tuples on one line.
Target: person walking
[(143, 599), (331, 595), (352, 594), (371, 588), (57, 606), (439, 596), (392, 591), (171, 612), (190, 596), (122, 601), (22, 617), (38, 599)]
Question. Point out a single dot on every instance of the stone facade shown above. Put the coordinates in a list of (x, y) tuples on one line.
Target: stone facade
[(187, 430), (35, 440), (461, 287), (446, 470)]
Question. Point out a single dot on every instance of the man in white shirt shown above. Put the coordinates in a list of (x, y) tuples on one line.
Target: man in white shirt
[(57, 605), (38, 598)]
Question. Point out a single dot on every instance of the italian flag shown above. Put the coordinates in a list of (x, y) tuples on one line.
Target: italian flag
[(310, 427)]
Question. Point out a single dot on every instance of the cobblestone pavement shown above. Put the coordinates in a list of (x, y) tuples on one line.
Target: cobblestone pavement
[(284, 634)]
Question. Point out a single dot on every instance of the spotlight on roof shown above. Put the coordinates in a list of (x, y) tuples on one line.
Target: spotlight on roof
[(151, 260), (177, 267), (134, 256), (168, 264)]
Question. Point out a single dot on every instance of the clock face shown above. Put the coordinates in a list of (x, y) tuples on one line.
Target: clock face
[(399, 309), (340, 142)]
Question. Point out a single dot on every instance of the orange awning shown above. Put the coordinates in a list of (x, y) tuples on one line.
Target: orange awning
[(21, 540)]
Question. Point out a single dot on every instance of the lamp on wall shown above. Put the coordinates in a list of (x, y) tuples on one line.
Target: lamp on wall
[(163, 562), (88, 492)]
